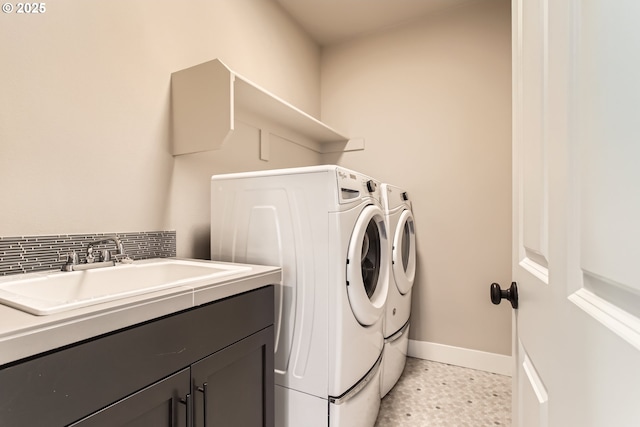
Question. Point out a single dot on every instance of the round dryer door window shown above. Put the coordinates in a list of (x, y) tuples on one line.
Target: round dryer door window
[(368, 266), (404, 253)]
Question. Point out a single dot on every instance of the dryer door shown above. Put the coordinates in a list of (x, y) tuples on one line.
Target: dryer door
[(404, 253), (367, 266)]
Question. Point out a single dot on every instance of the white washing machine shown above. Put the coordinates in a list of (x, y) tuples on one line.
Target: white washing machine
[(324, 225), (397, 207)]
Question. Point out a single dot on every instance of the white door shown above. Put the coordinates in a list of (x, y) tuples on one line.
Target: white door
[(367, 269), (576, 117), (403, 255)]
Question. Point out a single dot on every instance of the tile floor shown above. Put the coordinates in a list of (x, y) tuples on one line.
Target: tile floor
[(431, 394)]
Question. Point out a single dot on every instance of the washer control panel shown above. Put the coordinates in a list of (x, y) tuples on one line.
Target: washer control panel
[(352, 185)]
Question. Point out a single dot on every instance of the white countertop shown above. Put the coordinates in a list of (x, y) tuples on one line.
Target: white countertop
[(23, 335)]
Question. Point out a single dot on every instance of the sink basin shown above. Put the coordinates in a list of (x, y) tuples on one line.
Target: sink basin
[(54, 292)]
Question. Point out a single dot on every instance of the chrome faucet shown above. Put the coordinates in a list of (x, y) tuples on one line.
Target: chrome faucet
[(106, 255), (73, 264)]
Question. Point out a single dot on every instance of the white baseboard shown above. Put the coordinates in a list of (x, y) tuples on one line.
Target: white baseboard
[(474, 359)]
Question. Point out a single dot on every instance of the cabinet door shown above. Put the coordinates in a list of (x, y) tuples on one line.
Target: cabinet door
[(159, 405), (234, 387)]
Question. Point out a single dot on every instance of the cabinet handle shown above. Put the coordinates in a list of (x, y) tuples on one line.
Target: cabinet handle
[(203, 390), (188, 401)]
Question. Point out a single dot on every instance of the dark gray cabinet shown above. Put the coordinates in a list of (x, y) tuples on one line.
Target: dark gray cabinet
[(159, 405), (208, 366), (230, 385)]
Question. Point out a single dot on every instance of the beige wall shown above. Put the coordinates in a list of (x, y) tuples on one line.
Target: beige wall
[(433, 101), (84, 130), (85, 102)]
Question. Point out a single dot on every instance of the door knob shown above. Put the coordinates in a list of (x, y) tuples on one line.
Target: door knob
[(510, 294)]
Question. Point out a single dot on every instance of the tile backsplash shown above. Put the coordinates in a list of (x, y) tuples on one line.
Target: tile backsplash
[(28, 254)]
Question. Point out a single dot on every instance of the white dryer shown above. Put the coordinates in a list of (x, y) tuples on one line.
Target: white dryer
[(324, 225), (397, 207)]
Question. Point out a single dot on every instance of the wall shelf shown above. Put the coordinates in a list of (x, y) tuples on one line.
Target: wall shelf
[(209, 98)]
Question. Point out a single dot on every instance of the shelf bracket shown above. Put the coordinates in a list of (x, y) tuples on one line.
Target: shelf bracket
[(264, 144)]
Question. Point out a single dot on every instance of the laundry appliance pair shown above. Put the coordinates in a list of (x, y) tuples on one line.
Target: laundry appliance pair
[(326, 227)]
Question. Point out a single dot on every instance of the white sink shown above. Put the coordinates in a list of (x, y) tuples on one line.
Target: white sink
[(54, 292)]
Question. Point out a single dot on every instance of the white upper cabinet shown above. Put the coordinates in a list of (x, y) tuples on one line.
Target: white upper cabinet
[(209, 98)]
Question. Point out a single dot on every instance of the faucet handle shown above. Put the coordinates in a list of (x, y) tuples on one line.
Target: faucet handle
[(70, 258), (123, 258)]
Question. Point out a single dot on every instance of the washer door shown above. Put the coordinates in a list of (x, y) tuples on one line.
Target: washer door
[(367, 266), (404, 253)]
